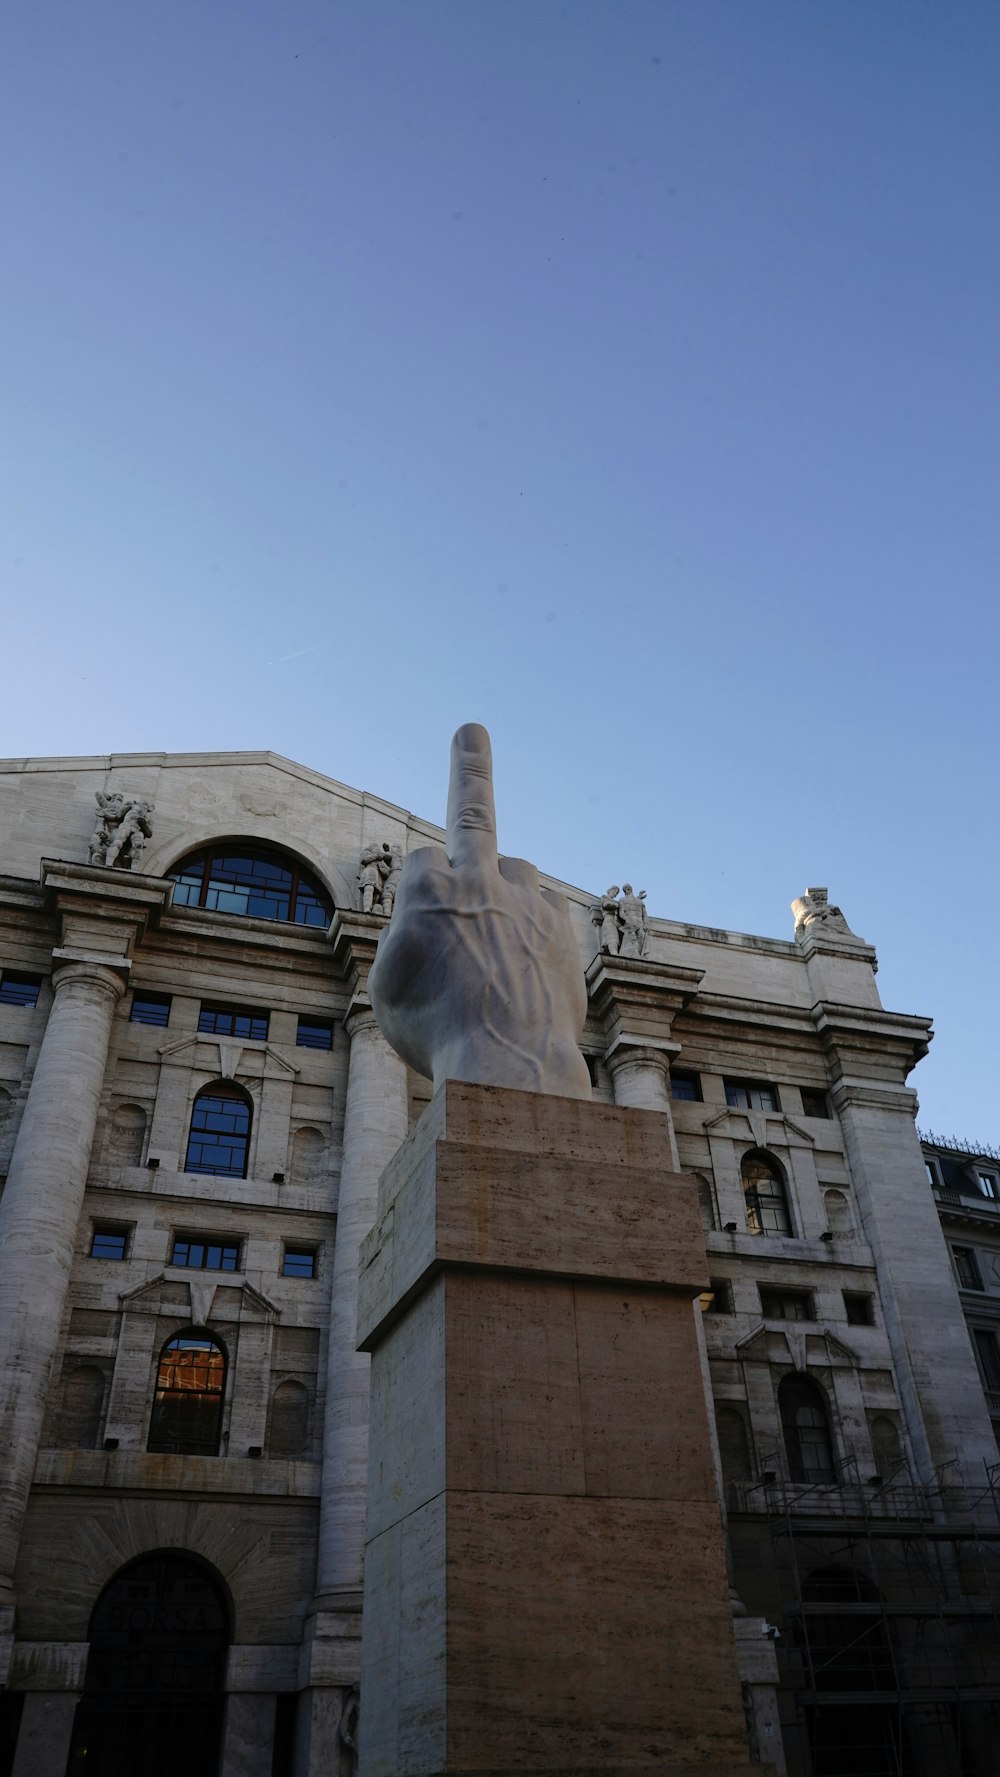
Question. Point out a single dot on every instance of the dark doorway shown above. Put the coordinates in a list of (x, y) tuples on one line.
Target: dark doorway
[(152, 1706)]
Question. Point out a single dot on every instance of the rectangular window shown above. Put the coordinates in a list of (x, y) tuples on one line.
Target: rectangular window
[(751, 1095), (685, 1086), (234, 1021), (722, 1296), (108, 1241), (989, 1358), (205, 1253), (314, 1033), (150, 1008), (933, 1173), (299, 1261), (988, 1184), (814, 1103), (778, 1304), (967, 1268), (860, 1309), (19, 990)]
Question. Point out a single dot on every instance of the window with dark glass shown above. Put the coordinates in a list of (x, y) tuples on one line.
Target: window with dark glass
[(314, 1033), (933, 1173), (988, 1184), (299, 1261), (685, 1086), (967, 1267), (261, 884), (108, 1241), (859, 1308), (779, 1304), (722, 1296), (814, 1103), (19, 990), (989, 1357), (766, 1198), (187, 1404), (219, 1141), (752, 1095), (806, 1430), (202, 1253), (234, 1021), (150, 1008)]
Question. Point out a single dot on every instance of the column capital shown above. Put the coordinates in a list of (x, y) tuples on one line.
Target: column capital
[(868, 1045), (353, 937), (628, 1051), (73, 971), (102, 913), (635, 1000)]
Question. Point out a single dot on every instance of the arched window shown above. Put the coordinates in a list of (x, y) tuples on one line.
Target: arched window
[(230, 877), (187, 1405), (219, 1141), (767, 1199), (806, 1430), (153, 1696)]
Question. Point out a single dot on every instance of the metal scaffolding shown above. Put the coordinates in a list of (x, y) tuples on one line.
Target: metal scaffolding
[(889, 1648)]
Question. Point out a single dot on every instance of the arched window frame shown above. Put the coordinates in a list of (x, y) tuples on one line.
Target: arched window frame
[(197, 886), (161, 1437), (768, 1213), (195, 1159), (806, 1431)]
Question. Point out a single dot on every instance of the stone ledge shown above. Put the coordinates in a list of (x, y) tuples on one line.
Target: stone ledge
[(130, 1471)]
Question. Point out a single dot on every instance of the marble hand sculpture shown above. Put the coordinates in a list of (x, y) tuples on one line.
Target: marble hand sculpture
[(478, 977)]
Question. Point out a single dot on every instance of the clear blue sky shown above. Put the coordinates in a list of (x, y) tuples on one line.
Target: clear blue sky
[(624, 376)]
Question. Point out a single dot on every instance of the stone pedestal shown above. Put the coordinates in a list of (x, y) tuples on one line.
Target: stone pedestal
[(545, 1579)]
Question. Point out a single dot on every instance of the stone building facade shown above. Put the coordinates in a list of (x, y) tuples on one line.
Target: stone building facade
[(195, 1108)]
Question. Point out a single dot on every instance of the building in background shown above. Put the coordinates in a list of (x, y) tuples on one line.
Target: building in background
[(195, 1108)]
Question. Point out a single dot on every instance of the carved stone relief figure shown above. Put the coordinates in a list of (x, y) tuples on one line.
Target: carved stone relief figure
[(814, 909), (391, 882), (121, 830), (632, 921), (605, 917), (372, 876)]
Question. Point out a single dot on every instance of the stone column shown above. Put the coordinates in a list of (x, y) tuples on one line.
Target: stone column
[(636, 1000), (39, 1212), (869, 1054), (46, 1730), (100, 913), (375, 1123)]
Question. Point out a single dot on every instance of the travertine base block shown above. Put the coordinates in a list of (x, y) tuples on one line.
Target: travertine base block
[(545, 1580)]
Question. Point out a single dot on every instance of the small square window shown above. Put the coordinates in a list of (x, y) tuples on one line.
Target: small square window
[(814, 1103), (108, 1242), (859, 1308), (234, 1021), (150, 1008), (205, 1253), (778, 1304), (314, 1033), (19, 990), (753, 1095), (299, 1261), (685, 1086), (722, 1296)]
